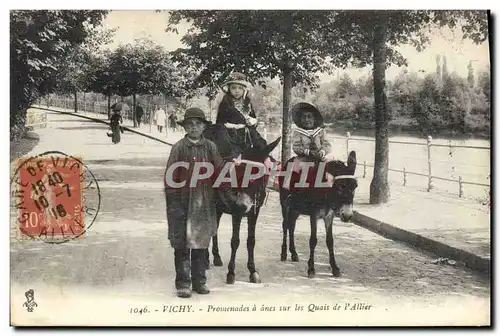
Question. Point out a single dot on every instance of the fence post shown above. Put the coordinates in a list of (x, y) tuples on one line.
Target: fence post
[(460, 187), (429, 144), (348, 135), (364, 169), (404, 176)]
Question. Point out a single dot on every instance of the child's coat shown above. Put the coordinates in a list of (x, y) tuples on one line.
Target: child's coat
[(306, 140), (191, 212)]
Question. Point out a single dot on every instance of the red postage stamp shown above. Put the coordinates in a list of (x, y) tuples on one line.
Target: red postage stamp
[(50, 197)]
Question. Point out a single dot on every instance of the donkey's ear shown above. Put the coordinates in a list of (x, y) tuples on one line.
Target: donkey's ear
[(351, 161), (335, 167), (272, 145)]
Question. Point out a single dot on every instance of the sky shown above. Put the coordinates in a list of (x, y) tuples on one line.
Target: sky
[(133, 24)]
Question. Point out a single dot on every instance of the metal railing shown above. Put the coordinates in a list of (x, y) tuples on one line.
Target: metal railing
[(99, 107), (429, 144), (427, 173)]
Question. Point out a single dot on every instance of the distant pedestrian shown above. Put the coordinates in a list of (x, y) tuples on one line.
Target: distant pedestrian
[(112, 108), (115, 121), (173, 121), (160, 118), (139, 112)]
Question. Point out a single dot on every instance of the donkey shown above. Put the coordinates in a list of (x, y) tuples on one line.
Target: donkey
[(250, 198), (324, 203)]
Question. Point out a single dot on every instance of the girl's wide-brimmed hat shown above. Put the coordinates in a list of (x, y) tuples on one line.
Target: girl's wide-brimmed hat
[(236, 78), (194, 112), (297, 109)]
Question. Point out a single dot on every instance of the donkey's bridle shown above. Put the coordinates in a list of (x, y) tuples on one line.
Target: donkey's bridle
[(238, 161)]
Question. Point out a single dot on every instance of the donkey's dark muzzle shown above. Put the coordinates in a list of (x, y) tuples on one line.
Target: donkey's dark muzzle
[(345, 213)]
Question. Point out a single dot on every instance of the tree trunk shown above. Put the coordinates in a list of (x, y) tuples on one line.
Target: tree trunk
[(286, 139), (134, 118), (109, 107), (379, 187), (76, 101), (151, 114), (210, 108), (166, 113)]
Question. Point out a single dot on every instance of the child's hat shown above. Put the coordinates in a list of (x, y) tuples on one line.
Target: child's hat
[(117, 107), (236, 78), (194, 112), (302, 107)]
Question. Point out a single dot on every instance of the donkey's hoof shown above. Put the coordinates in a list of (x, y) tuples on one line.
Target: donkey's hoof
[(295, 257), (255, 277), (218, 262), (311, 274), (283, 257), (230, 279), (336, 272)]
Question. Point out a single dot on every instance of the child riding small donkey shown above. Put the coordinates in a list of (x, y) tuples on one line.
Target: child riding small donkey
[(236, 137), (317, 198)]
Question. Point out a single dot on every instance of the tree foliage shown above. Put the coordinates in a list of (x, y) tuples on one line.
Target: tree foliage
[(277, 44), (39, 42), (372, 37), (142, 68), (484, 83), (101, 76), (76, 72), (256, 42)]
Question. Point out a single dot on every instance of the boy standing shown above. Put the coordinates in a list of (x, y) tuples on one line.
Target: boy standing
[(191, 211)]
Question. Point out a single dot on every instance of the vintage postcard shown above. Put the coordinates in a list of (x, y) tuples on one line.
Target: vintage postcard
[(250, 168)]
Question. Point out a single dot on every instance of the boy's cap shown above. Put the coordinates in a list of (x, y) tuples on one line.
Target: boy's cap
[(194, 112), (302, 107)]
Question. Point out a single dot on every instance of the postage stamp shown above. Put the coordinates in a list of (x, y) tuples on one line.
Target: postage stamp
[(56, 196)]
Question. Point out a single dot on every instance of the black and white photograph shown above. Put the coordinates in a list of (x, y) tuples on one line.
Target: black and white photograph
[(250, 167)]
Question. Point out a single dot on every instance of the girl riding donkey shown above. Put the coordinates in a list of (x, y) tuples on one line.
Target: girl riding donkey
[(236, 135), (236, 113)]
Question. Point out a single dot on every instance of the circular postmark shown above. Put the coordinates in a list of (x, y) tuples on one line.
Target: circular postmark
[(56, 197)]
